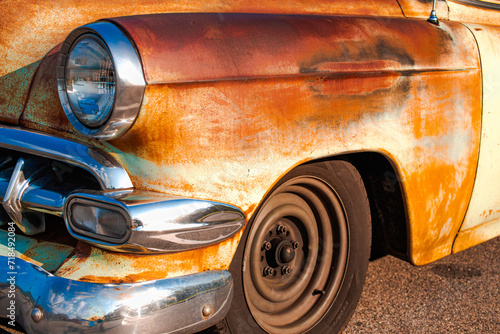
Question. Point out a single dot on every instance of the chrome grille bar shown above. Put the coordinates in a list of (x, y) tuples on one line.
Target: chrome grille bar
[(109, 173)]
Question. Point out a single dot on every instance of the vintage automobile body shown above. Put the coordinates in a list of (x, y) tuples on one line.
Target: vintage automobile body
[(220, 109)]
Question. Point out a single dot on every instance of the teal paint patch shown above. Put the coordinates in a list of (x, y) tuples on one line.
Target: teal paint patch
[(137, 166), (48, 255), (14, 90)]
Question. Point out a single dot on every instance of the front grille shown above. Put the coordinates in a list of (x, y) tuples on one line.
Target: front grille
[(32, 187)]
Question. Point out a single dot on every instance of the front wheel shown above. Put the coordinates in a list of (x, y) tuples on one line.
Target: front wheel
[(303, 264)]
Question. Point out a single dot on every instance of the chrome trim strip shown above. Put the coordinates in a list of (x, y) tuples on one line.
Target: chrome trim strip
[(130, 82), (162, 223), (109, 173), (172, 305)]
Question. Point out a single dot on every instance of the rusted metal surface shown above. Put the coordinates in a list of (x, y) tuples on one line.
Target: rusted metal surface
[(14, 92), (91, 264), (43, 110), (48, 255), (235, 47), (482, 221), (255, 130), (461, 12), (29, 31), (266, 96), (422, 8), (39, 27)]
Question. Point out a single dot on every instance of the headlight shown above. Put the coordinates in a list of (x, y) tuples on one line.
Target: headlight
[(90, 81), (100, 80)]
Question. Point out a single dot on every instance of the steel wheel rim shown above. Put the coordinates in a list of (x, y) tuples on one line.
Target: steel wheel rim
[(313, 217)]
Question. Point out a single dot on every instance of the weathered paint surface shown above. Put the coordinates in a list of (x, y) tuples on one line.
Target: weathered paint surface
[(48, 255), (91, 264), (235, 46), (14, 92), (29, 30), (254, 130), (422, 8), (482, 221), (472, 14), (43, 110), (230, 140)]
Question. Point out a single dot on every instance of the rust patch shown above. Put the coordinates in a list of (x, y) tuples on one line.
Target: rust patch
[(422, 8), (106, 279), (38, 28), (263, 46), (14, 92), (102, 266), (354, 85), (80, 254), (472, 14)]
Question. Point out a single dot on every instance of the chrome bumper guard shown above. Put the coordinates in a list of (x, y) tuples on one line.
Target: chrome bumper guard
[(31, 186), (45, 303)]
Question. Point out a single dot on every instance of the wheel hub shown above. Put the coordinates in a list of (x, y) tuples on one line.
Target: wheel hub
[(285, 252), (279, 250)]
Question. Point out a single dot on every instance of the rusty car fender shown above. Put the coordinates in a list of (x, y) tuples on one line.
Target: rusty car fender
[(293, 101)]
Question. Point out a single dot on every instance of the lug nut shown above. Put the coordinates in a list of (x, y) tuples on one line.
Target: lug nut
[(267, 245), (268, 271), (282, 229), (286, 270), (295, 244)]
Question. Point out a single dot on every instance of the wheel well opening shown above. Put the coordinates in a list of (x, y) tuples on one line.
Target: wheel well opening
[(388, 213)]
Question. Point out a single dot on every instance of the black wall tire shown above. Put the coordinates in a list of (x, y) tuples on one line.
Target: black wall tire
[(301, 264)]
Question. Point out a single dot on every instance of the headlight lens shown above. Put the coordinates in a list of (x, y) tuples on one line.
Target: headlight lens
[(100, 80), (90, 81)]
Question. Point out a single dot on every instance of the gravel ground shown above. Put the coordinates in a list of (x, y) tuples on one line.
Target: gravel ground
[(458, 294)]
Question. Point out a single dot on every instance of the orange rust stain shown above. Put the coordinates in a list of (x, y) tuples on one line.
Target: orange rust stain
[(30, 259), (250, 211), (422, 9), (101, 266), (374, 65), (105, 279), (428, 123), (476, 235), (29, 30), (472, 14), (355, 85), (488, 213), (217, 125), (438, 191), (277, 46)]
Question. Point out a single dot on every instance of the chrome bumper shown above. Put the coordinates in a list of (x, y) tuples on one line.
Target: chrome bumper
[(45, 303)]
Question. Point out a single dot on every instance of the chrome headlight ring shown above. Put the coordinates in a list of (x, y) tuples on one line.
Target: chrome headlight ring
[(106, 99)]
